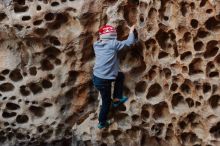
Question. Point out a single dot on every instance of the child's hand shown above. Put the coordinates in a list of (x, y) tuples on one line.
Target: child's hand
[(132, 28)]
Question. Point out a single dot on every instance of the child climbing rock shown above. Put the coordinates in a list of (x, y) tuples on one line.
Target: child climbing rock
[(106, 70)]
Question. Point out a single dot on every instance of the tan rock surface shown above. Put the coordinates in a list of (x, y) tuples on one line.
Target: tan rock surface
[(172, 73)]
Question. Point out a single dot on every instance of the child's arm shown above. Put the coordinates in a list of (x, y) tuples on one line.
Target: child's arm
[(129, 41)]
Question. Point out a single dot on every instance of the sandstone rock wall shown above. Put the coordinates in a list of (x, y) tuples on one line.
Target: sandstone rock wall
[(172, 73)]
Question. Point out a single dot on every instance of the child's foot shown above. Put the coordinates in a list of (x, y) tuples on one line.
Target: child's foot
[(100, 125), (120, 101)]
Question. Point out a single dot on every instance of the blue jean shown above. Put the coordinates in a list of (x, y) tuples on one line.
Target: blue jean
[(104, 87)]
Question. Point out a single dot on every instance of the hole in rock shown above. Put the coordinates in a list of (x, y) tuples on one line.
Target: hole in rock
[(51, 76), (194, 23), (187, 36), (192, 5), (3, 139), (187, 137), (2, 78), (5, 72), (5, 87), (18, 27), (141, 18), (12, 106), (198, 46), (136, 2), (37, 22), (213, 101), (33, 71), (20, 136), (162, 38), (19, 9), (140, 87), (27, 102), (15, 75), (38, 8), (120, 116), (186, 55), (6, 124), (149, 43), (217, 58), (46, 84), (12, 97), (215, 130), (176, 99), (173, 87), (184, 69), (40, 31), (116, 133), (24, 91), (21, 119), (138, 69), (46, 104), (135, 117), (57, 61), (202, 33), (162, 54), (182, 124), (20, 2), (53, 4), (209, 11), (154, 90), (213, 74), (211, 49), (212, 24), (202, 3), (72, 76), (35, 88), (160, 109), (46, 65), (60, 19), (195, 66), (88, 54), (167, 72), (8, 114), (185, 87), (211, 52), (40, 129), (37, 111), (54, 40), (190, 102), (52, 51), (121, 108), (2, 16), (26, 18), (191, 117), (49, 16), (48, 134), (183, 8), (198, 103), (157, 128), (166, 18)]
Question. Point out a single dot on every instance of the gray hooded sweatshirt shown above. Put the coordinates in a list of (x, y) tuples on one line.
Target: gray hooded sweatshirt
[(106, 60)]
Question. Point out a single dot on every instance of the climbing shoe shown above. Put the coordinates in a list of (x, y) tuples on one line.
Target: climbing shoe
[(100, 125), (121, 101)]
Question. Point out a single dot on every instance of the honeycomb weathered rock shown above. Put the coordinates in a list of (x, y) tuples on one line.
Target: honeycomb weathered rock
[(172, 73)]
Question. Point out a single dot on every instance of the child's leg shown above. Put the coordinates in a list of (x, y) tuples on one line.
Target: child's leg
[(118, 88), (104, 87), (106, 103)]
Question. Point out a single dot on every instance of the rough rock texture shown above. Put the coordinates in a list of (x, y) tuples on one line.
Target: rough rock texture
[(172, 73)]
